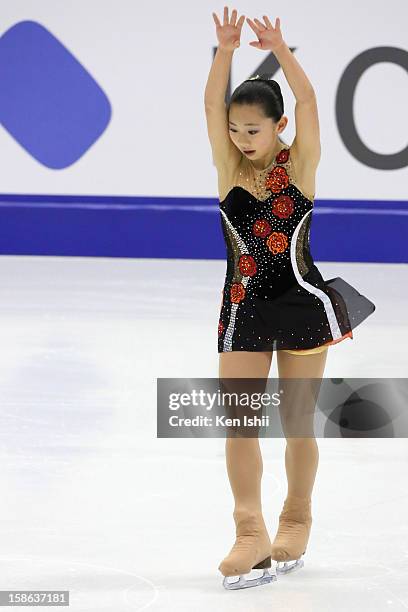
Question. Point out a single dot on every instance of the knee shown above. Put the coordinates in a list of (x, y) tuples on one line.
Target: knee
[(300, 443)]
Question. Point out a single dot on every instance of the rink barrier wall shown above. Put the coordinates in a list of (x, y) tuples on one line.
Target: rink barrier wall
[(187, 228)]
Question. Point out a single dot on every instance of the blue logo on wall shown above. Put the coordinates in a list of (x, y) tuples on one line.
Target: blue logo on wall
[(49, 103)]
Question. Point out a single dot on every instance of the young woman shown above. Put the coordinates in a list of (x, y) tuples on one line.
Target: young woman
[(274, 297)]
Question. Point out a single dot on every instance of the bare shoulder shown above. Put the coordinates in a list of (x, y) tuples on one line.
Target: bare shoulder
[(305, 167), (228, 175), (224, 152)]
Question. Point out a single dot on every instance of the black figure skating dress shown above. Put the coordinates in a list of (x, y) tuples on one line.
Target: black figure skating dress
[(274, 297)]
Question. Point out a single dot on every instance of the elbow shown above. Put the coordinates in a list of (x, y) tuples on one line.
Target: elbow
[(213, 100), (208, 104), (208, 99), (214, 104), (307, 96)]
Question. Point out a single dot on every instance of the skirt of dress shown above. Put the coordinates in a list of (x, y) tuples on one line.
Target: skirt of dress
[(315, 315)]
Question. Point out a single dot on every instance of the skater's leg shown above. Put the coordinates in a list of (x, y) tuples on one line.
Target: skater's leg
[(243, 454), (244, 467), (297, 415), (301, 456)]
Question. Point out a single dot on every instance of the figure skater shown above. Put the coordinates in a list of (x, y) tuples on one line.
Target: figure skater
[(274, 297)]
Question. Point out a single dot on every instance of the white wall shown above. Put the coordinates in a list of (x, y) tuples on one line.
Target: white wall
[(152, 60)]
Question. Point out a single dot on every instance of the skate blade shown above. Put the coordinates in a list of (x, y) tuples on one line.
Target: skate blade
[(289, 566), (244, 583)]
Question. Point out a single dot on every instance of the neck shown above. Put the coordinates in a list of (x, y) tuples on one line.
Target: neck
[(265, 162)]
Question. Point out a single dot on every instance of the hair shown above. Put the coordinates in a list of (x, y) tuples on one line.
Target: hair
[(264, 92)]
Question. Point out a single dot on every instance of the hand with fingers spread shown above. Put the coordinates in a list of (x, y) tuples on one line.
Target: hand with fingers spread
[(269, 37), (229, 33)]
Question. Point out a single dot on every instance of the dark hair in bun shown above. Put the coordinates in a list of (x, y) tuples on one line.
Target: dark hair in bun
[(263, 91)]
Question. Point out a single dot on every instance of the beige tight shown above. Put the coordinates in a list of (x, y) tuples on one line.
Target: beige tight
[(243, 455)]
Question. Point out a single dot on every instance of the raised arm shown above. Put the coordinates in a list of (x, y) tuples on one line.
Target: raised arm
[(225, 153), (307, 139)]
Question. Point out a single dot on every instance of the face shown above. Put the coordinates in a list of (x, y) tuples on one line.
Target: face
[(255, 141)]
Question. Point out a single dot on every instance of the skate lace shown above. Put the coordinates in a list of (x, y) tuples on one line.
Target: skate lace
[(289, 517), (249, 532), (293, 532), (246, 543), (296, 510)]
